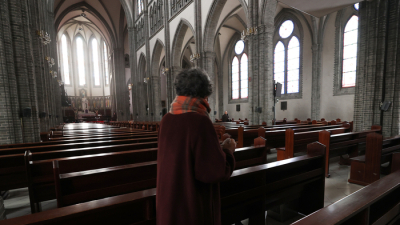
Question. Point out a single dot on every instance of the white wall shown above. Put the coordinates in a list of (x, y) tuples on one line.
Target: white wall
[(333, 107), (187, 14), (301, 108)]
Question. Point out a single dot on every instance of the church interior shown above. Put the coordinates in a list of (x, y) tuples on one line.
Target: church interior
[(306, 88)]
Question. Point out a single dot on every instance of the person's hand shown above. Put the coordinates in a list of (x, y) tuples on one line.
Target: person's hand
[(229, 144)]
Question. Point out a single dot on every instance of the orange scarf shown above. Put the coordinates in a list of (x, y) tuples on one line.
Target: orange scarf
[(184, 104)]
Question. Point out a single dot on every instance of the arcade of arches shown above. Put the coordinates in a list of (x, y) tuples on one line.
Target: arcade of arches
[(119, 59)]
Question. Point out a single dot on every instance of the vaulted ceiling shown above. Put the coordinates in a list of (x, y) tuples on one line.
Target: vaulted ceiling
[(105, 16)]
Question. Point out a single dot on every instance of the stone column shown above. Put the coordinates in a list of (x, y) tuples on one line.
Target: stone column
[(38, 63), (266, 57), (10, 124), (156, 95), (150, 86), (208, 59), (168, 55), (121, 91), (316, 83), (134, 74)]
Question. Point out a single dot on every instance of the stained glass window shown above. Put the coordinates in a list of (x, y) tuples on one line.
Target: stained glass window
[(287, 59), (240, 72), (349, 64), (106, 63), (65, 59), (140, 6), (81, 61), (95, 58)]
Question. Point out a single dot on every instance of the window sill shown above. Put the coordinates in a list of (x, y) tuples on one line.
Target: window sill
[(235, 101), (291, 96), (344, 91)]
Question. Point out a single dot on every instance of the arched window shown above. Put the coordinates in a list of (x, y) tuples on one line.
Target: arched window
[(240, 78), (287, 59), (81, 61), (106, 63), (65, 60), (140, 6), (95, 60), (350, 46)]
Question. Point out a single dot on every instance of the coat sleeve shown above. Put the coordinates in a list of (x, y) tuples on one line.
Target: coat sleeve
[(212, 163)]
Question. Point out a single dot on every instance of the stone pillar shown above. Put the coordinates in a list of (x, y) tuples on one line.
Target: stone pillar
[(156, 95), (121, 91), (316, 84), (208, 59), (266, 57), (10, 125), (377, 71), (149, 116), (38, 63), (168, 54), (134, 74)]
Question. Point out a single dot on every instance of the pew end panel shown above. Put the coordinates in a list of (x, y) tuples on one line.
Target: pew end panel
[(301, 186), (377, 203), (395, 162), (287, 151)]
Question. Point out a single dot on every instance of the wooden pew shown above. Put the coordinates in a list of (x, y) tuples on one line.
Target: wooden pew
[(245, 136), (297, 142), (13, 151), (100, 135), (77, 140), (246, 195), (277, 137), (366, 169), (341, 144), (12, 167), (377, 203), (40, 173)]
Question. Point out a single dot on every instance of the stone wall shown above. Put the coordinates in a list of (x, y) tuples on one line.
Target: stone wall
[(25, 78)]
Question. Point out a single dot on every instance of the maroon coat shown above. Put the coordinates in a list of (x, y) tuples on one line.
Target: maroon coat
[(191, 164)]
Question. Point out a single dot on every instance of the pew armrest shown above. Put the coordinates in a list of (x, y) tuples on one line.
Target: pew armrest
[(281, 149), (360, 158)]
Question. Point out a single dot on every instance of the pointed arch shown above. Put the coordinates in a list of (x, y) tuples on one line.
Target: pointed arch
[(211, 26), (178, 41), (156, 57)]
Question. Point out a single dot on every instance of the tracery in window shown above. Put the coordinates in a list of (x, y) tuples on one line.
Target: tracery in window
[(357, 6), (279, 64), (350, 44), (140, 6), (95, 58), (81, 61), (65, 59), (235, 78), (240, 77), (287, 59), (293, 66), (106, 63)]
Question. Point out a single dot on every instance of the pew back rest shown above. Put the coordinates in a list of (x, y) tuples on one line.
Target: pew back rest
[(78, 187), (376, 203)]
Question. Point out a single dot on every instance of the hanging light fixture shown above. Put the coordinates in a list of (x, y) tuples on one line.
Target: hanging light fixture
[(249, 32), (194, 57), (44, 37)]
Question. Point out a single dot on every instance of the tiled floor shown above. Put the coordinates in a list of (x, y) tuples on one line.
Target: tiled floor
[(336, 188)]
